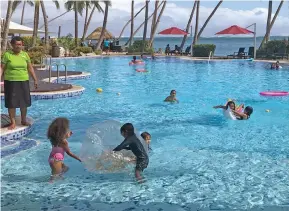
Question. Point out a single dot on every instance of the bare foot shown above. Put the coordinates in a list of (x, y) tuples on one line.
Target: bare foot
[(12, 126), (25, 123)]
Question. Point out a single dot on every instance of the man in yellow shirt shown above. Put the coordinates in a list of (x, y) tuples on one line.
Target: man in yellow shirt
[(16, 66)]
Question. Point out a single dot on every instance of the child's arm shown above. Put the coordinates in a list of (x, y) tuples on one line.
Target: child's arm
[(220, 106), (123, 145), (67, 150)]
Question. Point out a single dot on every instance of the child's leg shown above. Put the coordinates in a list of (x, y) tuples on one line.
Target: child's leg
[(64, 168), (56, 170)]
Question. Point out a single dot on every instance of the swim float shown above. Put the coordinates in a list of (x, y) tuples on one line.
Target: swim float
[(274, 93), (141, 70), (229, 114)]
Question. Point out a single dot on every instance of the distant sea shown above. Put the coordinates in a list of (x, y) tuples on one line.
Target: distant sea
[(224, 45)]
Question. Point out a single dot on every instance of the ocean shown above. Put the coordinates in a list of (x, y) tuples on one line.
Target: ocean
[(224, 45)]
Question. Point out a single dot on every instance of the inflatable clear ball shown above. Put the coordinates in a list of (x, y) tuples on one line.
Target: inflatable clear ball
[(96, 151)]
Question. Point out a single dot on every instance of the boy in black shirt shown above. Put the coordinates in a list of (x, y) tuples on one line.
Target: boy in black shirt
[(131, 142)]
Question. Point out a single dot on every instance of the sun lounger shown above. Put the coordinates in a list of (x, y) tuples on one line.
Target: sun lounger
[(187, 51), (241, 54)]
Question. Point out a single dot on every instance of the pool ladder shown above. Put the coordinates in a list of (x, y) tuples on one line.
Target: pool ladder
[(57, 69)]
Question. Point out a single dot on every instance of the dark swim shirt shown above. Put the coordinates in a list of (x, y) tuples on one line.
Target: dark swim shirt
[(134, 144)]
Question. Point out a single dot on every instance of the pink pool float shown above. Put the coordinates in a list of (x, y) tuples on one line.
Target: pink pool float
[(141, 70), (137, 63), (274, 93)]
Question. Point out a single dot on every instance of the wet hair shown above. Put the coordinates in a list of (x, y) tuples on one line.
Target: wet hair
[(16, 39), (134, 57), (57, 130), (173, 91), (128, 129), (145, 134), (248, 110), (229, 103)]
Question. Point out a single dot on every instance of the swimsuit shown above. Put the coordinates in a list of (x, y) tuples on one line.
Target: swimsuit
[(134, 144), (56, 154)]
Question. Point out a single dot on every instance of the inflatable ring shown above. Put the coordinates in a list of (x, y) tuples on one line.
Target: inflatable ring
[(137, 63), (274, 93), (141, 70)]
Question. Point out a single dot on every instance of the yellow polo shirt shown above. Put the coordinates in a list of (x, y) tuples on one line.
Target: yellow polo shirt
[(16, 66)]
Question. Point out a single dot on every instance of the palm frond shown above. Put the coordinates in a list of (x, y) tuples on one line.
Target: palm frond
[(97, 5), (30, 3), (56, 4), (15, 4)]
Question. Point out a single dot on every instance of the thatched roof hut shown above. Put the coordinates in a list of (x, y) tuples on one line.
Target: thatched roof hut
[(95, 35)]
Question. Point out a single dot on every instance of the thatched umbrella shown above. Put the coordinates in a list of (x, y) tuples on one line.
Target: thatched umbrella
[(95, 35)]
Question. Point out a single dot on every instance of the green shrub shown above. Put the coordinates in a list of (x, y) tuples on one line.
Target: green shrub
[(203, 50), (275, 46), (35, 56), (27, 41), (137, 47), (98, 52), (82, 49)]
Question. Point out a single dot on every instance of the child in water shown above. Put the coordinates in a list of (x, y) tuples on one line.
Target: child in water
[(147, 137), (172, 98), (58, 133), (131, 142), (134, 61), (230, 104), (245, 115)]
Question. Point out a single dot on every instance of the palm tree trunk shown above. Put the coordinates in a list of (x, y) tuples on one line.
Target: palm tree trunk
[(85, 21), (140, 26), (36, 22), (75, 24), (197, 23), (188, 25), (6, 26), (55, 18), (145, 26), (45, 24), (131, 23), (269, 20), (208, 19), (88, 22), (120, 35), (154, 18), (103, 25), (157, 22), (272, 23), (22, 15)]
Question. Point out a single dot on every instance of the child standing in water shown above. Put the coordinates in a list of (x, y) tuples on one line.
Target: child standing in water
[(147, 137), (172, 98), (131, 142), (58, 133)]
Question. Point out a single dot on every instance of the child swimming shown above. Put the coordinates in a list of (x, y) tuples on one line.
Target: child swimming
[(131, 142), (245, 115), (172, 97), (58, 133), (147, 137), (134, 61)]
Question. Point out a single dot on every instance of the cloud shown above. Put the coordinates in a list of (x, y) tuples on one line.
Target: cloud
[(175, 14)]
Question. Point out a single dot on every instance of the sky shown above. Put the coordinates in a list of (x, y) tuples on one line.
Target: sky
[(242, 13)]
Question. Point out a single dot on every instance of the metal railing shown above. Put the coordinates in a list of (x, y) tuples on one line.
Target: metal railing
[(57, 70)]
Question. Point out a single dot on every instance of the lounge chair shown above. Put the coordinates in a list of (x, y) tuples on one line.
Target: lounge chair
[(187, 51), (250, 53), (241, 54), (176, 51)]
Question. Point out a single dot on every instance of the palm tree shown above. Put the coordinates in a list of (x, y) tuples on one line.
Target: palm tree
[(107, 4), (197, 23), (35, 22), (77, 7), (157, 22), (269, 19), (17, 3), (6, 26), (208, 19), (145, 26), (154, 18), (96, 5), (189, 24), (45, 19), (132, 23), (141, 25), (120, 35), (271, 24)]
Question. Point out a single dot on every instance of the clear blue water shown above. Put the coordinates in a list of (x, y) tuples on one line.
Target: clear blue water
[(199, 157)]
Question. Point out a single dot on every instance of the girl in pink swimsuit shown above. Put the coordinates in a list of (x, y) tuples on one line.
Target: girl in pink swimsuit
[(58, 133)]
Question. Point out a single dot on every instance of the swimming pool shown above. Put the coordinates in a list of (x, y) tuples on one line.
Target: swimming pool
[(199, 158)]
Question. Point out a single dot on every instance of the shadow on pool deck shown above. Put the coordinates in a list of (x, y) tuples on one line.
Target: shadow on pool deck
[(49, 87), (34, 202)]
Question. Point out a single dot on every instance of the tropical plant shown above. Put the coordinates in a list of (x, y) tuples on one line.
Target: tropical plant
[(131, 23), (269, 20), (145, 25), (35, 22), (189, 24), (197, 23), (138, 45), (107, 4), (6, 26), (272, 23), (203, 50), (77, 7), (121, 33), (154, 18), (164, 3), (88, 4), (17, 3)]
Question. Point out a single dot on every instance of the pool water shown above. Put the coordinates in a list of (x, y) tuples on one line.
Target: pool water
[(199, 157)]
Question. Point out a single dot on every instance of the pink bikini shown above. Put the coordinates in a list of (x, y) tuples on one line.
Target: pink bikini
[(56, 154)]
